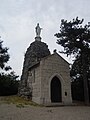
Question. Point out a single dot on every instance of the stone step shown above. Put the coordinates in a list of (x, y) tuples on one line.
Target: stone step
[(54, 105)]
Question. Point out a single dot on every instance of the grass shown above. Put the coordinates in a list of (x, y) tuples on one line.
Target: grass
[(19, 101)]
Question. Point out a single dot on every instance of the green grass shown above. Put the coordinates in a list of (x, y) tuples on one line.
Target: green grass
[(19, 101)]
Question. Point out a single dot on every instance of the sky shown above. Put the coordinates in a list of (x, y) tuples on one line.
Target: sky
[(18, 19)]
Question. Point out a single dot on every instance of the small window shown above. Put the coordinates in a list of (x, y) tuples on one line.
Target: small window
[(65, 93), (34, 75)]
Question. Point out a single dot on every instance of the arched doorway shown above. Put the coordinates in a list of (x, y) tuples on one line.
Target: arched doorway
[(55, 90)]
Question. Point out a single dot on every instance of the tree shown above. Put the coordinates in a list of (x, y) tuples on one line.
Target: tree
[(4, 57), (8, 84), (75, 38), (76, 73)]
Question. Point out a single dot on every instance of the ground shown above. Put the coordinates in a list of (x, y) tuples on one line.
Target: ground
[(19, 111)]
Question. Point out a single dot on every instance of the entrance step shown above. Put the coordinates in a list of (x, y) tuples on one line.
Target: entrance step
[(54, 104)]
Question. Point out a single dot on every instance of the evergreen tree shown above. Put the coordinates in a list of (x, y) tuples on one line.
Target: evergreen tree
[(75, 38), (8, 82), (4, 57), (76, 73)]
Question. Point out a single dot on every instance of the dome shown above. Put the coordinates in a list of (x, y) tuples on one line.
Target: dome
[(36, 51)]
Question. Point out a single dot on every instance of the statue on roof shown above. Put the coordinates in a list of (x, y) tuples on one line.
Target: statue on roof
[(38, 30)]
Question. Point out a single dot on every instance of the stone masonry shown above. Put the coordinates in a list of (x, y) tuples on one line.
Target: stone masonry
[(41, 76)]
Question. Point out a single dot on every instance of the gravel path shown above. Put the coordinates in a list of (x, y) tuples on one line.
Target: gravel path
[(12, 112)]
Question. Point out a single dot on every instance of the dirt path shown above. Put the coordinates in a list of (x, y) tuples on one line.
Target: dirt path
[(13, 112)]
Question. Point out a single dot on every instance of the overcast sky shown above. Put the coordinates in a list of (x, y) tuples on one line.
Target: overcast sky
[(18, 19)]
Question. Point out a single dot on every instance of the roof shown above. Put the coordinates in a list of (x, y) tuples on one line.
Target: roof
[(34, 65), (53, 55), (38, 62)]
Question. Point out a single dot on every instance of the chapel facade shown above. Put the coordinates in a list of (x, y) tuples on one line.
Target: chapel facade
[(45, 77)]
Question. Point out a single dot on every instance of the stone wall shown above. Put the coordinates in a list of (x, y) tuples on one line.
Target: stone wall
[(33, 55), (47, 69), (55, 66), (34, 82)]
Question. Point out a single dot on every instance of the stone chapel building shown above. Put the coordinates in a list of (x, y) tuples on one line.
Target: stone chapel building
[(45, 77)]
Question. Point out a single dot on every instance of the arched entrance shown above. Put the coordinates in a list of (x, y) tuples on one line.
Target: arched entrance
[(55, 90)]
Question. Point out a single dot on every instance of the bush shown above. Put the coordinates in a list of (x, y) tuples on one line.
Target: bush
[(78, 90), (8, 85)]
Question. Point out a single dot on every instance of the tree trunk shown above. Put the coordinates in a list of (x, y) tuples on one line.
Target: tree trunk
[(85, 80)]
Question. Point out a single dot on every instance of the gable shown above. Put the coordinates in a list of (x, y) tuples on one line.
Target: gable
[(56, 58)]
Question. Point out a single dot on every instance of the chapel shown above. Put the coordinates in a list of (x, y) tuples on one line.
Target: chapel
[(45, 77)]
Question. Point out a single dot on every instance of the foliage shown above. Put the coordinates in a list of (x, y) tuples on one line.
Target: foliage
[(75, 38), (77, 78), (4, 57), (77, 89), (77, 67), (8, 84)]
